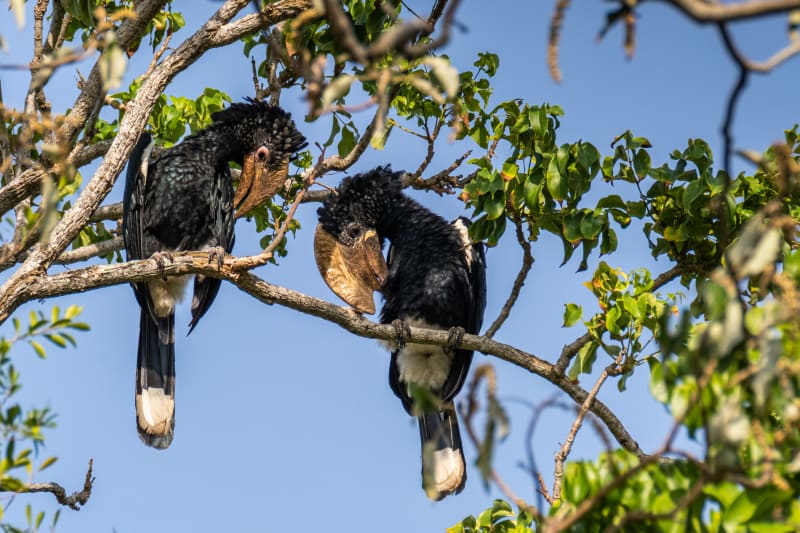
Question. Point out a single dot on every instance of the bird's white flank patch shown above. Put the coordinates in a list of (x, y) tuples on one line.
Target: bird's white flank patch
[(466, 243), (146, 158), (166, 293), (422, 364)]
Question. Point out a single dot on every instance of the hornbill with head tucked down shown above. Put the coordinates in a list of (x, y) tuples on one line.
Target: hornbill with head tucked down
[(435, 278), (184, 200)]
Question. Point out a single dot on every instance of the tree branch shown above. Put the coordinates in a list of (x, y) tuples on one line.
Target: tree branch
[(525, 268), (563, 453), (91, 250), (216, 32), (75, 500), (94, 277), (702, 11)]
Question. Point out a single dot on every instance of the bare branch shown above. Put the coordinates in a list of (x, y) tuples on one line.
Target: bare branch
[(91, 250), (703, 11), (469, 409), (75, 500), (107, 212), (556, 22), (566, 447), (525, 268)]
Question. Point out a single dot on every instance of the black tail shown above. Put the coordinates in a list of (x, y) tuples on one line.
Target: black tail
[(155, 380), (205, 290), (443, 469)]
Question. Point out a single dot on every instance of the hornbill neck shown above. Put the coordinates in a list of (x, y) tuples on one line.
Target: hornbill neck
[(405, 222), (225, 142)]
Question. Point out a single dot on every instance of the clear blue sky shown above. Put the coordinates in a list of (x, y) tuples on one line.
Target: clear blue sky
[(286, 422)]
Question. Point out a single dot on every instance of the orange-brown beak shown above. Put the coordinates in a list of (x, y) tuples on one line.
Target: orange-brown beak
[(352, 272), (257, 184)]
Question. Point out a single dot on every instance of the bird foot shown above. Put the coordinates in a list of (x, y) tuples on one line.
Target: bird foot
[(454, 336), (217, 253), (161, 259), (401, 332)]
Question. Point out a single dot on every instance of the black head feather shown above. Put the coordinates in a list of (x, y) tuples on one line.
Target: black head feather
[(255, 123), (360, 199)]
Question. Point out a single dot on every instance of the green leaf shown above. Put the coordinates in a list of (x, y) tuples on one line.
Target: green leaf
[(11, 484), (556, 183), (495, 205), (572, 228), (572, 313), (658, 387), (641, 163), (740, 510), (692, 192), (337, 89), (591, 225), (613, 200), (347, 142), (588, 155), (576, 485), (38, 349), (584, 361), (47, 462), (532, 191), (509, 171), (612, 317), (56, 339)]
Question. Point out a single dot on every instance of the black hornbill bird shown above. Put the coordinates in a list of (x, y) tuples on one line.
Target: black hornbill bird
[(183, 199), (435, 278)]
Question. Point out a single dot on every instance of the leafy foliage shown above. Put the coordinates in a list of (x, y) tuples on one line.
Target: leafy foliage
[(722, 356), (21, 428)]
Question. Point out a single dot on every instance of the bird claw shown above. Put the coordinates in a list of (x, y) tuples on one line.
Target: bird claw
[(161, 258), (217, 253), (454, 336), (401, 332)]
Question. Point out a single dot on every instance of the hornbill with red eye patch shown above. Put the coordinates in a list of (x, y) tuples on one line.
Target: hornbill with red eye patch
[(435, 278), (183, 199)]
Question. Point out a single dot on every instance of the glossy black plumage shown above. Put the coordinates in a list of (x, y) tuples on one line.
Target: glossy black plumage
[(436, 278), (181, 200)]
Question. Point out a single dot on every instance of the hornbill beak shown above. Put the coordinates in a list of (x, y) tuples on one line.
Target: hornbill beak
[(258, 182), (352, 272)]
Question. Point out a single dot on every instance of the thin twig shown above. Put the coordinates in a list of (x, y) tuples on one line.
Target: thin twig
[(733, 98), (522, 275), (97, 249), (468, 412), (566, 447), (556, 22), (75, 500)]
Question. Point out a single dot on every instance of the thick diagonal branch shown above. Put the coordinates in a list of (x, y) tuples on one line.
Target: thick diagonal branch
[(216, 32), (93, 277)]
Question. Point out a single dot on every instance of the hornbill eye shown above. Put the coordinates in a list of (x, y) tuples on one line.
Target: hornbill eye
[(353, 231), (262, 154)]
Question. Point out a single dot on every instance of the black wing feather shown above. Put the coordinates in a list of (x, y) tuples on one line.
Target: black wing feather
[(132, 204)]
